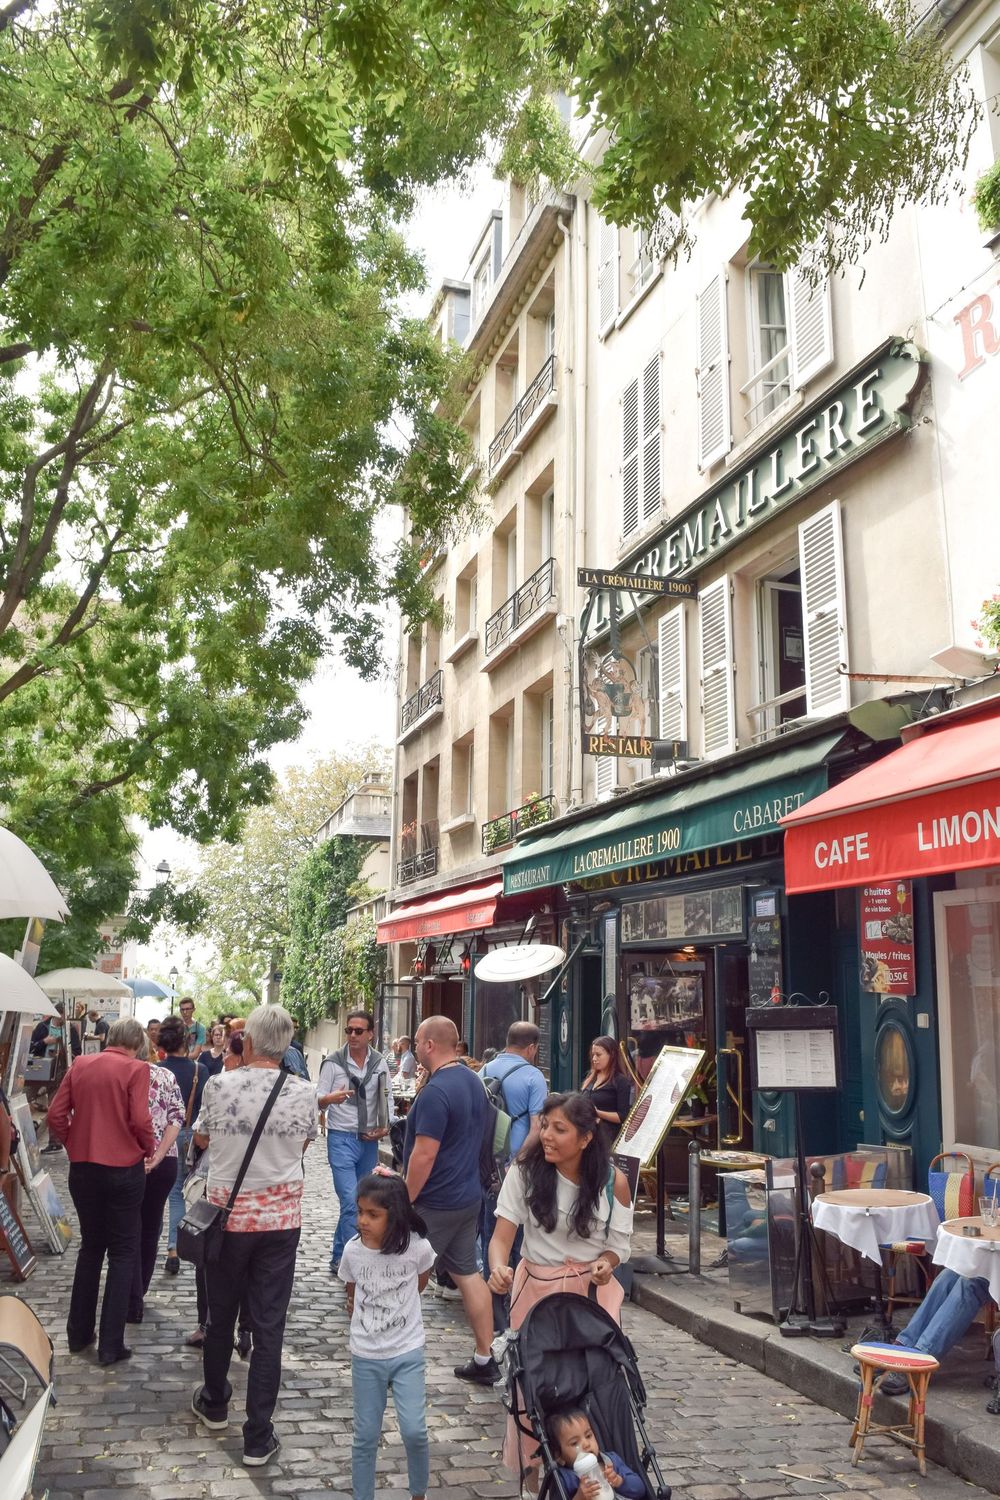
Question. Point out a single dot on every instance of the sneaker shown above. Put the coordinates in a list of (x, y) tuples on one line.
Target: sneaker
[(334, 1264), (172, 1265), (256, 1458), (195, 1340), (449, 1294), (215, 1417), (487, 1374)]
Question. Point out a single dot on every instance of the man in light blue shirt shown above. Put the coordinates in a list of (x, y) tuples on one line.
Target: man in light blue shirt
[(522, 1083)]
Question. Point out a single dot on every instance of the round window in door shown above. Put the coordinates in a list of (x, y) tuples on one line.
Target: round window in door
[(895, 1069)]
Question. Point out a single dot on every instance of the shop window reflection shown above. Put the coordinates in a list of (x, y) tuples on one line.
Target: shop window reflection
[(972, 958), (893, 1068)]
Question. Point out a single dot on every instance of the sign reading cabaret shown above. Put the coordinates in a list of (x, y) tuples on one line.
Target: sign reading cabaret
[(867, 408), (658, 835)]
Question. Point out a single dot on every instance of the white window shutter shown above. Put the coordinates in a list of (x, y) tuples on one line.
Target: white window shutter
[(651, 477), (606, 775), (715, 617), (810, 326), (607, 273), (714, 416), (673, 675), (824, 612), (630, 458)]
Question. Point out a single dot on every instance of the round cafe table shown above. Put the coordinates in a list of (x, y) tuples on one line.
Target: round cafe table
[(867, 1218), (970, 1255)]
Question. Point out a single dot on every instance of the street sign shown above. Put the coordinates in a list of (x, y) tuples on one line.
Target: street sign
[(635, 583)]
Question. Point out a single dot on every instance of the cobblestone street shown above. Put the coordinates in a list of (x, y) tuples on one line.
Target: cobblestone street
[(722, 1430)]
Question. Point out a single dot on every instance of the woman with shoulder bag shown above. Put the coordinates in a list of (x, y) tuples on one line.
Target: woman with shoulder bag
[(166, 1110)]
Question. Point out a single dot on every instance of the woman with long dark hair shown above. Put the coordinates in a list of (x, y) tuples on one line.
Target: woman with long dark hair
[(576, 1213), (608, 1085)]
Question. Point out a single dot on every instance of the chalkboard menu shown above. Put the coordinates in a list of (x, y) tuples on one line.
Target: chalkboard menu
[(14, 1240), (764, 942)]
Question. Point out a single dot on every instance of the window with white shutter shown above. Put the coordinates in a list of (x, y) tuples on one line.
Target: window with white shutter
[(714, 415), (630, 458), (672, 654), (607, 275), (810, 326), (605, 775), (824, 612), (715, 618), (642, 470)]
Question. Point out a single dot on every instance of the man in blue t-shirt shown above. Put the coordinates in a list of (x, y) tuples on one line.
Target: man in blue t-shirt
[(444, 1131), (524, 1092)]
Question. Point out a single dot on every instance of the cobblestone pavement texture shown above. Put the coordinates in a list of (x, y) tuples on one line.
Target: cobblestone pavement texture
[(722, 1430)]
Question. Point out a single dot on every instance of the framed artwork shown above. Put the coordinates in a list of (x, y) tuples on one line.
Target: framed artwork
[(27, 1151), (50, 1213), (658, 1002), (652, 1114), (22, 1045)]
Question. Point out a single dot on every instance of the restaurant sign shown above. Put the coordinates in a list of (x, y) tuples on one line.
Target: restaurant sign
[(660, 834), (871, 405)]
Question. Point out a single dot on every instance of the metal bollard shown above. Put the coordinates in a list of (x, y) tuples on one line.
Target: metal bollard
[(694, 1208)]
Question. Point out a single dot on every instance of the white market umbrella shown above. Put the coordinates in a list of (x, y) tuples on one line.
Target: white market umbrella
[(521, 961), (19, 992), (83, 984), (26, 887)]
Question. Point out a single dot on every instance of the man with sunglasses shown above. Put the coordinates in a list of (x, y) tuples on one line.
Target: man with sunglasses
[(353, 1089)]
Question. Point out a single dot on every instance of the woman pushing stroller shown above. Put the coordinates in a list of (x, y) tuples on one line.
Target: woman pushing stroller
[(576, 1213)]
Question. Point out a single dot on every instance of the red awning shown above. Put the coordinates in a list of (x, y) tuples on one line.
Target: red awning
[(929, 808), (461, 910)]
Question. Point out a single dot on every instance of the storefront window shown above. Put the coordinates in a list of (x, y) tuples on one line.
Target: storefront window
[(968, 955), (498, 1006)]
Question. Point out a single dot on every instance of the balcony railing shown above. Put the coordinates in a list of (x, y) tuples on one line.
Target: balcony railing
[(423, 699), (498, 832), (542, 386), (528, 600), (415, 865)]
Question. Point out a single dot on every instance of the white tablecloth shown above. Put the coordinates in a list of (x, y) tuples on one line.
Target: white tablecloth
[(865, 1229), (969, 1257)]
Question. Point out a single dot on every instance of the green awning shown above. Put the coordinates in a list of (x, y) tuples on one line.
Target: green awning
[(740, 803)]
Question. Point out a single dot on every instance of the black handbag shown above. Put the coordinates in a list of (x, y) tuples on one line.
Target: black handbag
[(199, 1234)]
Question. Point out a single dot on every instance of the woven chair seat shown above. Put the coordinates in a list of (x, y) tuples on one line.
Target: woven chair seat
[(906, 1247)]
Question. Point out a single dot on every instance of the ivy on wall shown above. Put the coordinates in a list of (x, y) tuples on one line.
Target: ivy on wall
[(329, 965)]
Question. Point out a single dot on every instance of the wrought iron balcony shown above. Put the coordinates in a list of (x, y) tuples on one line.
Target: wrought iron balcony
[(415, 865), (424, 698), (528, 600), (498, 832), (534, 398)]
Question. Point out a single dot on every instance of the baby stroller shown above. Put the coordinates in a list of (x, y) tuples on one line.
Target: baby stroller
[(570, 1352)]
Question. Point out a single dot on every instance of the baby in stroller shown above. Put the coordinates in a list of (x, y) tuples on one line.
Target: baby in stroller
[(571, 1434)]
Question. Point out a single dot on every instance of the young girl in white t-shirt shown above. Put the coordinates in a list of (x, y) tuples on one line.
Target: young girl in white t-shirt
[(386, 1266)]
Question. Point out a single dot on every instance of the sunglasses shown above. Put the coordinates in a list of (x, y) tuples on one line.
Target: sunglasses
[(356, 1030)]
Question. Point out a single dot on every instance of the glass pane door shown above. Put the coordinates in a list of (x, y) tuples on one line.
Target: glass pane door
[(967, 933)]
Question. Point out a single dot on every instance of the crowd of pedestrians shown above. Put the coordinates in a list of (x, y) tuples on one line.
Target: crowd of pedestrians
[(165, 1115)]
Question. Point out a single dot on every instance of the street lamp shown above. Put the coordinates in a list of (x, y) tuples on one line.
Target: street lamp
[(162, 873), (173, 976)]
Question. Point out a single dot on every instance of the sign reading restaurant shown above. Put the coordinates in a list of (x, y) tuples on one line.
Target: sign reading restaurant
[(868, 407)]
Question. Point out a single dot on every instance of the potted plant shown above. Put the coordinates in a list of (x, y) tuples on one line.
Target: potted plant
[(499, 832), (699, 1091), (986, 202), (988, 622), (537, 809)]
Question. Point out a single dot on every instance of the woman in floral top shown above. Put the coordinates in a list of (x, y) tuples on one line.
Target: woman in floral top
[(166, 1110)]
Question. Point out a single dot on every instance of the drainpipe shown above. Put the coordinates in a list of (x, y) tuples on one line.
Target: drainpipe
[(575, 529)]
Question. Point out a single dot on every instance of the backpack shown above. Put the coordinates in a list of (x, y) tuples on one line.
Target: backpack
[(494, 1150)]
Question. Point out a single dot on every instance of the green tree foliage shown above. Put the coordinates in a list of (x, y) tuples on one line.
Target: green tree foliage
[(244, 887), (320, 949)]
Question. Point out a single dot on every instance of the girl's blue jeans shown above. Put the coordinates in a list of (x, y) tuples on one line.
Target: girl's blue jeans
[(372, 1380)]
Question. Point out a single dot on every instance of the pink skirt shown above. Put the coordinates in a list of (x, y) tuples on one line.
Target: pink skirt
[(532, 1283)]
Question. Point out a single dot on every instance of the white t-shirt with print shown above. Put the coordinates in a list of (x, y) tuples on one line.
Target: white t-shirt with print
[(386, 1321)]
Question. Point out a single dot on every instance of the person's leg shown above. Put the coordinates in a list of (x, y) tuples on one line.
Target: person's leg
[(123, 1188), (345, 1152), (176, 1205), (945, 1313), (370, 1385), (411, 1413), (223, 1285), (478, 1303), (270, 1273), (86, 1196), (159, 1184)]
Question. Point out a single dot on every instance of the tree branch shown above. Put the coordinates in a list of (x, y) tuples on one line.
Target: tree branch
[(15, 351), (10, 13), (95, 788)]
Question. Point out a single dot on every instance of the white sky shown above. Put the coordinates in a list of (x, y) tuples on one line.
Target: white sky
[(341, 706)]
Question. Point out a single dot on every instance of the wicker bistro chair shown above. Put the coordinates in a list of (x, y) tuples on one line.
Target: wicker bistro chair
[(874, 1361), (954, 1196)]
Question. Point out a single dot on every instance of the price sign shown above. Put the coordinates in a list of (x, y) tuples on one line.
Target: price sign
[(888, 965)]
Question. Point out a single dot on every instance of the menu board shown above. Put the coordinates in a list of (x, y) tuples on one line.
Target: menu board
[(888, 964), (796, 1059), (764, 964), (663, 1092)]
